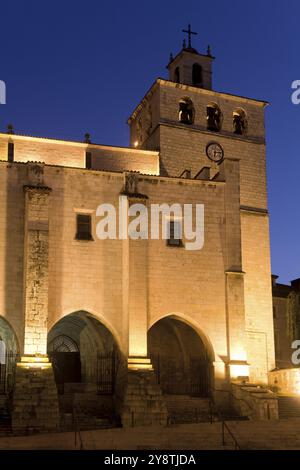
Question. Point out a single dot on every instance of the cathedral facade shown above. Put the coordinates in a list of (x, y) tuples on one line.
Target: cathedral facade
[(139, 319)]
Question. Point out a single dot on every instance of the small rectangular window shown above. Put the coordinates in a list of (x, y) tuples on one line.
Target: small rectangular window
[(10, 152), (175, 233), (84, 227), (88, 160)]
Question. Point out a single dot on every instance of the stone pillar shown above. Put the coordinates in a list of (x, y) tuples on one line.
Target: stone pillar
[(142, 402), (35, 400), (135, 269), (234, 276), (36, 269)]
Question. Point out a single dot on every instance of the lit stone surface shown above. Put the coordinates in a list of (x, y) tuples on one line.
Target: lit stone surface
[(35, 403), (222, 292)]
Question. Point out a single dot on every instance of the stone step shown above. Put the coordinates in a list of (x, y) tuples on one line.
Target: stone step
[(187, 409), (277, 434), (288, 407)]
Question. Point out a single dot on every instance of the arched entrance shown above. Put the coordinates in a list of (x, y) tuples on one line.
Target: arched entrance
[(181, 359), (83, 351), (8, 356)]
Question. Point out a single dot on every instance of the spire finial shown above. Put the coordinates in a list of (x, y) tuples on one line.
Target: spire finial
[(189, 33), (208, 50), (87, 138), (10, 129), (171, 57), (184, 44)]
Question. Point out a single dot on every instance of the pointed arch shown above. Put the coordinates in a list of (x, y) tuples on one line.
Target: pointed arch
[(97, 316), (194, 325), (8, 335)]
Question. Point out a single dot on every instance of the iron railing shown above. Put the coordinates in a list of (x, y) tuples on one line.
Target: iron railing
[(194, 379), (102, 370), (7, 373), (225, 427)]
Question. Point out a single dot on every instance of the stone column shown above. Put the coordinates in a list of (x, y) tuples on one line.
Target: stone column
[(234, 275), (35, 401)]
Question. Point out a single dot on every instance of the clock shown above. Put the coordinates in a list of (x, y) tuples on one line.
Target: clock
[(215, 152)]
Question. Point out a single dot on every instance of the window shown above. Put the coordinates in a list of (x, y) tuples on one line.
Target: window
[(88, 160), (175, 233), (63, 343), (214, 117), (177, 75), (10, 152), (186, 111), (197, 75), (84, 227), (239, 122)]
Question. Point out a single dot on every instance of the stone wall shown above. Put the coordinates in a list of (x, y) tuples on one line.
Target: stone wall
[(285, 380), (35, 402), (143, 403), (254, 402), (73, 154), (87, 275)]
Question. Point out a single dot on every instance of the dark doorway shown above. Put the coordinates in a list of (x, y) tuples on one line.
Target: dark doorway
[(66, 366), (65, 357), (84, 356)]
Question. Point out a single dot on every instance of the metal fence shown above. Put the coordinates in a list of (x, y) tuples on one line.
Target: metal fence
[(7, 373), (193, 378), (106, 373), (70, 367)]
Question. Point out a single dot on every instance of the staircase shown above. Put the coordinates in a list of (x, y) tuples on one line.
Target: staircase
[(288, 407), (94, 411), (184, 409), (80, 406), (187, 409)]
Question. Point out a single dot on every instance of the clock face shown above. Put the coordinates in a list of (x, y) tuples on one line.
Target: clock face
[(214, 152)]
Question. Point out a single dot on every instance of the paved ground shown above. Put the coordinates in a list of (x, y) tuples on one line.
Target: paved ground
[(281, 434)]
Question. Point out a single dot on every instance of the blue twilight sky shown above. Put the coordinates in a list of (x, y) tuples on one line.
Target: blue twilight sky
[(72, 67)]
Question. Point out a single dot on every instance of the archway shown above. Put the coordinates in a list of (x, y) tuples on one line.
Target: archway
[(9, 351), (181, 359), (83, 351)]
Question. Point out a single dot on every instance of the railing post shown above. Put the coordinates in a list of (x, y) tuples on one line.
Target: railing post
[(223, 433)]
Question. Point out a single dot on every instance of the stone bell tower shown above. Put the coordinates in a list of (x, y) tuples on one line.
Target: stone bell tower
[(185, 119), (189, 67)]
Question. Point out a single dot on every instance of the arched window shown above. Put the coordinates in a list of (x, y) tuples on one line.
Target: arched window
[(186, 111), (214, 117), (197, 75), (239, 121), (63, 343), (177, 75)]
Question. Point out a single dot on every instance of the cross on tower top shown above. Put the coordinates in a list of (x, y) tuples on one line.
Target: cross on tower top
[(189, 32)]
